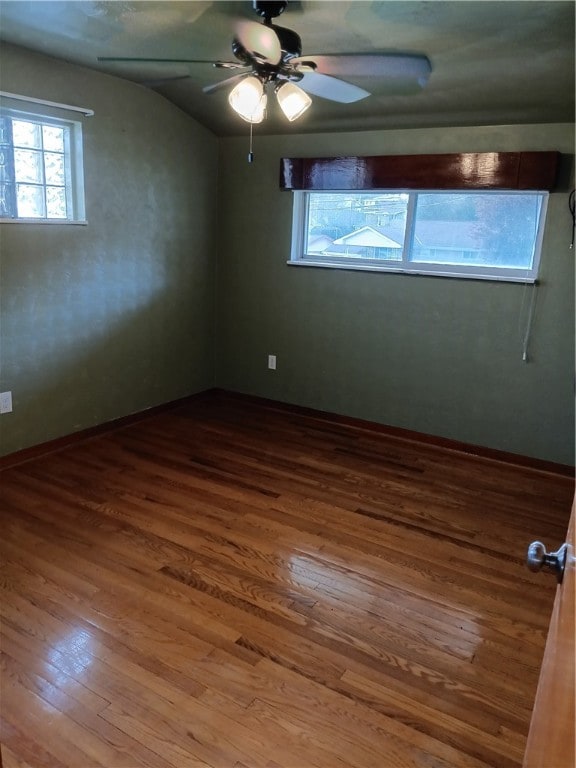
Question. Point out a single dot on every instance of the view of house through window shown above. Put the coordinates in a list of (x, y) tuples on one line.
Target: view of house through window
[(40, 168), (475, 234)]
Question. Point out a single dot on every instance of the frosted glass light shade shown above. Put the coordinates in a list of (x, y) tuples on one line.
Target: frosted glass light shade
[(293, 100), (248, 99)]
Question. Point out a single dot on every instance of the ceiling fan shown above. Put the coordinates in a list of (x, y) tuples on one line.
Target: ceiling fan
[(270, 57)]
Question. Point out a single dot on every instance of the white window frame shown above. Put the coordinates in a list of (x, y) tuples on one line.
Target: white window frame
[(73, 162), (298, 257)]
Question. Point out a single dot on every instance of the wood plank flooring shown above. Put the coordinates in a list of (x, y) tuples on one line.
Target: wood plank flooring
[(235, 585)]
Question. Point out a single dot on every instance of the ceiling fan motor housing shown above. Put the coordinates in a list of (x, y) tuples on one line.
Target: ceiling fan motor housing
[(290, 45), (269, 9), (240, 52), (289, 42)]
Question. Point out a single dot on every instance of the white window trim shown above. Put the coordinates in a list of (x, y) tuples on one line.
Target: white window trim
[(406, 267), (75, 168), (45, 103), (62, 222)]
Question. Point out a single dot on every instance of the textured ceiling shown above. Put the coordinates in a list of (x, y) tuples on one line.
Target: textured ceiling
[(492, 62)]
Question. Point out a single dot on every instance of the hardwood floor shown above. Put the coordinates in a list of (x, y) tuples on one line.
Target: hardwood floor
[(239, 586)]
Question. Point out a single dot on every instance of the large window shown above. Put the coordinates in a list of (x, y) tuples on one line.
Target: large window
[(41, 175), (489, 235)]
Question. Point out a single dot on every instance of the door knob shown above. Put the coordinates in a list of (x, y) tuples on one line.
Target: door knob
[(537, 559)]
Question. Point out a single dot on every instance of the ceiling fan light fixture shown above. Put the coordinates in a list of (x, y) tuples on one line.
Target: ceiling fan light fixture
[(248, 99), (293, 100)]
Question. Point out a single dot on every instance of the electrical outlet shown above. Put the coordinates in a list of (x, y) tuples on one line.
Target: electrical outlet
[(5, 402), (272, 362)]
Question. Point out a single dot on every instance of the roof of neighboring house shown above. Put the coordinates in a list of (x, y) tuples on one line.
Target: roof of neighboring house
[(371, 236), (318, 243), (428, 234)]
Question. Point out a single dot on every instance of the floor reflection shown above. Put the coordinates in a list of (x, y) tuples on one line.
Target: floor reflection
[(427, 623), (71, 656)]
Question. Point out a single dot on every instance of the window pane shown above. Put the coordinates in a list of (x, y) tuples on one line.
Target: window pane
[(55, 203), (7, 207), (360, 226), (30, 201), (28, 165), (5, 131), (53, 138), (40, 167), (492, 230), (26, 134), (54, 168), (5, 170)]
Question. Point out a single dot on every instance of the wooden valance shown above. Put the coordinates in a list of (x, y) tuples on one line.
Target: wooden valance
[(469, 170)]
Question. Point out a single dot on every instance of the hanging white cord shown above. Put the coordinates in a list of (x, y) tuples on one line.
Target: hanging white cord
[(525, 319), (528, 332)]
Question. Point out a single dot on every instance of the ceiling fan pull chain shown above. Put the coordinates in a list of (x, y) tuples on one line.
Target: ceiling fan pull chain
[(572, 208), (250, 153)]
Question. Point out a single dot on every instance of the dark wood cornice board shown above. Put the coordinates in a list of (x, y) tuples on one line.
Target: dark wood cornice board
[(469, 170)]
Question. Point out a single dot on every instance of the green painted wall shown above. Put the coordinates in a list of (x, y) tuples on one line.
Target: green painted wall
[(101, 321), (436, 355), (108, 319)]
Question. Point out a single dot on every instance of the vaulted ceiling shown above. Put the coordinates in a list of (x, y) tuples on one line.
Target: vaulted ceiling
[(499, 62)]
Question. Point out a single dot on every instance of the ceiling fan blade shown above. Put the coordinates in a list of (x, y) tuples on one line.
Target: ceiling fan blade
[(331, 88), (208, 89), (222, 64), (411, 67), (260, 41)]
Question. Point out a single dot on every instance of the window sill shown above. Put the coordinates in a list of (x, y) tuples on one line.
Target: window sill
[(80, 222), (438, 272)]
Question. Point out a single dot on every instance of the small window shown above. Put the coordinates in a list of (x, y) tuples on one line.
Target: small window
[(487, 235), (41, 177)]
